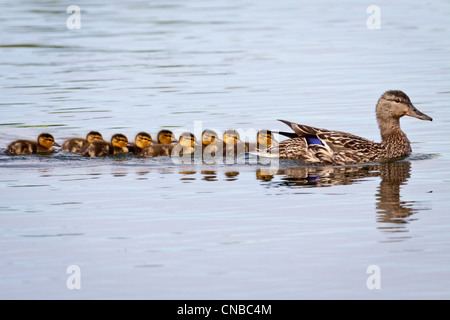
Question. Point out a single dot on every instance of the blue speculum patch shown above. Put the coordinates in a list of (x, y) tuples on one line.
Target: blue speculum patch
[(313, 140)]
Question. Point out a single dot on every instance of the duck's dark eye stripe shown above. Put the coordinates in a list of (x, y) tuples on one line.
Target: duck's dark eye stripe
[(397, 100)]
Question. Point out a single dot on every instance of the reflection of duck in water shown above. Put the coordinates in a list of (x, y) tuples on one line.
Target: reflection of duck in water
[(390, 208), (389, 205), (324, 147), (43, 145)]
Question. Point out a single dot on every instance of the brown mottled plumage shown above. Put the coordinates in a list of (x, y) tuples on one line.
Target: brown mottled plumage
[(101, 148), (158, 150), (43, 145), (341, 148), (76, 144)]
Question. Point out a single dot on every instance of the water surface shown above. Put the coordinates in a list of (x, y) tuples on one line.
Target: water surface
[(152, 229)]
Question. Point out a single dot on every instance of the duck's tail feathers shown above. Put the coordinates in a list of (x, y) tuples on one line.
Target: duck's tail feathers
[(289, 134), (299, 129)]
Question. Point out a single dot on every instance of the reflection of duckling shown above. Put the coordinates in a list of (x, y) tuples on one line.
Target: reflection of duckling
[(265, 175), (76, 144), (142, 141), (232, 144), (44, 144), (165, 137), (101, 148)]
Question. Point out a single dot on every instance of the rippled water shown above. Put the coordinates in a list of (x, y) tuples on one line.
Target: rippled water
[(149, 228)]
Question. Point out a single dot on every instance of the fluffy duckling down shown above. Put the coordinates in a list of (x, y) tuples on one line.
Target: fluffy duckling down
[(43, 145), (75, 145), (101, 148)]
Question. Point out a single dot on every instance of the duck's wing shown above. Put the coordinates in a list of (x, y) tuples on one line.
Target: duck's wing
[(300, 129), (336, 140)]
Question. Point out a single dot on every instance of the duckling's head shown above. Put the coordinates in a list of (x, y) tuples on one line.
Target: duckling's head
[(394, 104), (47, 141), (94, 136), (165, 136), (143, 140), (208, 137), (231, 136), (187, 140), (119, 140), (264, 137)]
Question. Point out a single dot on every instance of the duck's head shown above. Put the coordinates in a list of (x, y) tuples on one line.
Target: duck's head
[(187, 140), (94, 136), (208, 137), (395, 104), (231, 136), (119, 140), (165, 136), (264, 137), (143, 140), (47, 141)]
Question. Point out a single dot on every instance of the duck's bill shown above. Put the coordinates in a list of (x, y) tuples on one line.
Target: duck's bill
[(414, 112), (56, 145)]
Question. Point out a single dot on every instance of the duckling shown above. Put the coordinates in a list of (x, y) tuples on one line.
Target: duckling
[(43, 145), (142, 141), (264, 140), (232, 145), (164, 147), (76, 144), (211, 145), (209, 137), (157, 150), (165, 137), (186, 145), (101, 148)]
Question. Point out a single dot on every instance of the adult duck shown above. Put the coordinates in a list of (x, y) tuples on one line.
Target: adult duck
[(326, 147)]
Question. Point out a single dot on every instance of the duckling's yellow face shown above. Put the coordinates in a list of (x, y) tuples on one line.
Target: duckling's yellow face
[(142, 141), (119, 141), (187, 141), (230, 138), (91, 137), (208, 138), (46, 141), (166, 137), (264, 138)]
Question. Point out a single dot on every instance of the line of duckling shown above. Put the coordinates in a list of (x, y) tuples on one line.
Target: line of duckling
[(95, 146)]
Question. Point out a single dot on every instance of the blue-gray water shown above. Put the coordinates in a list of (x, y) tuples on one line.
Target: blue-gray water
[(152, 229)]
